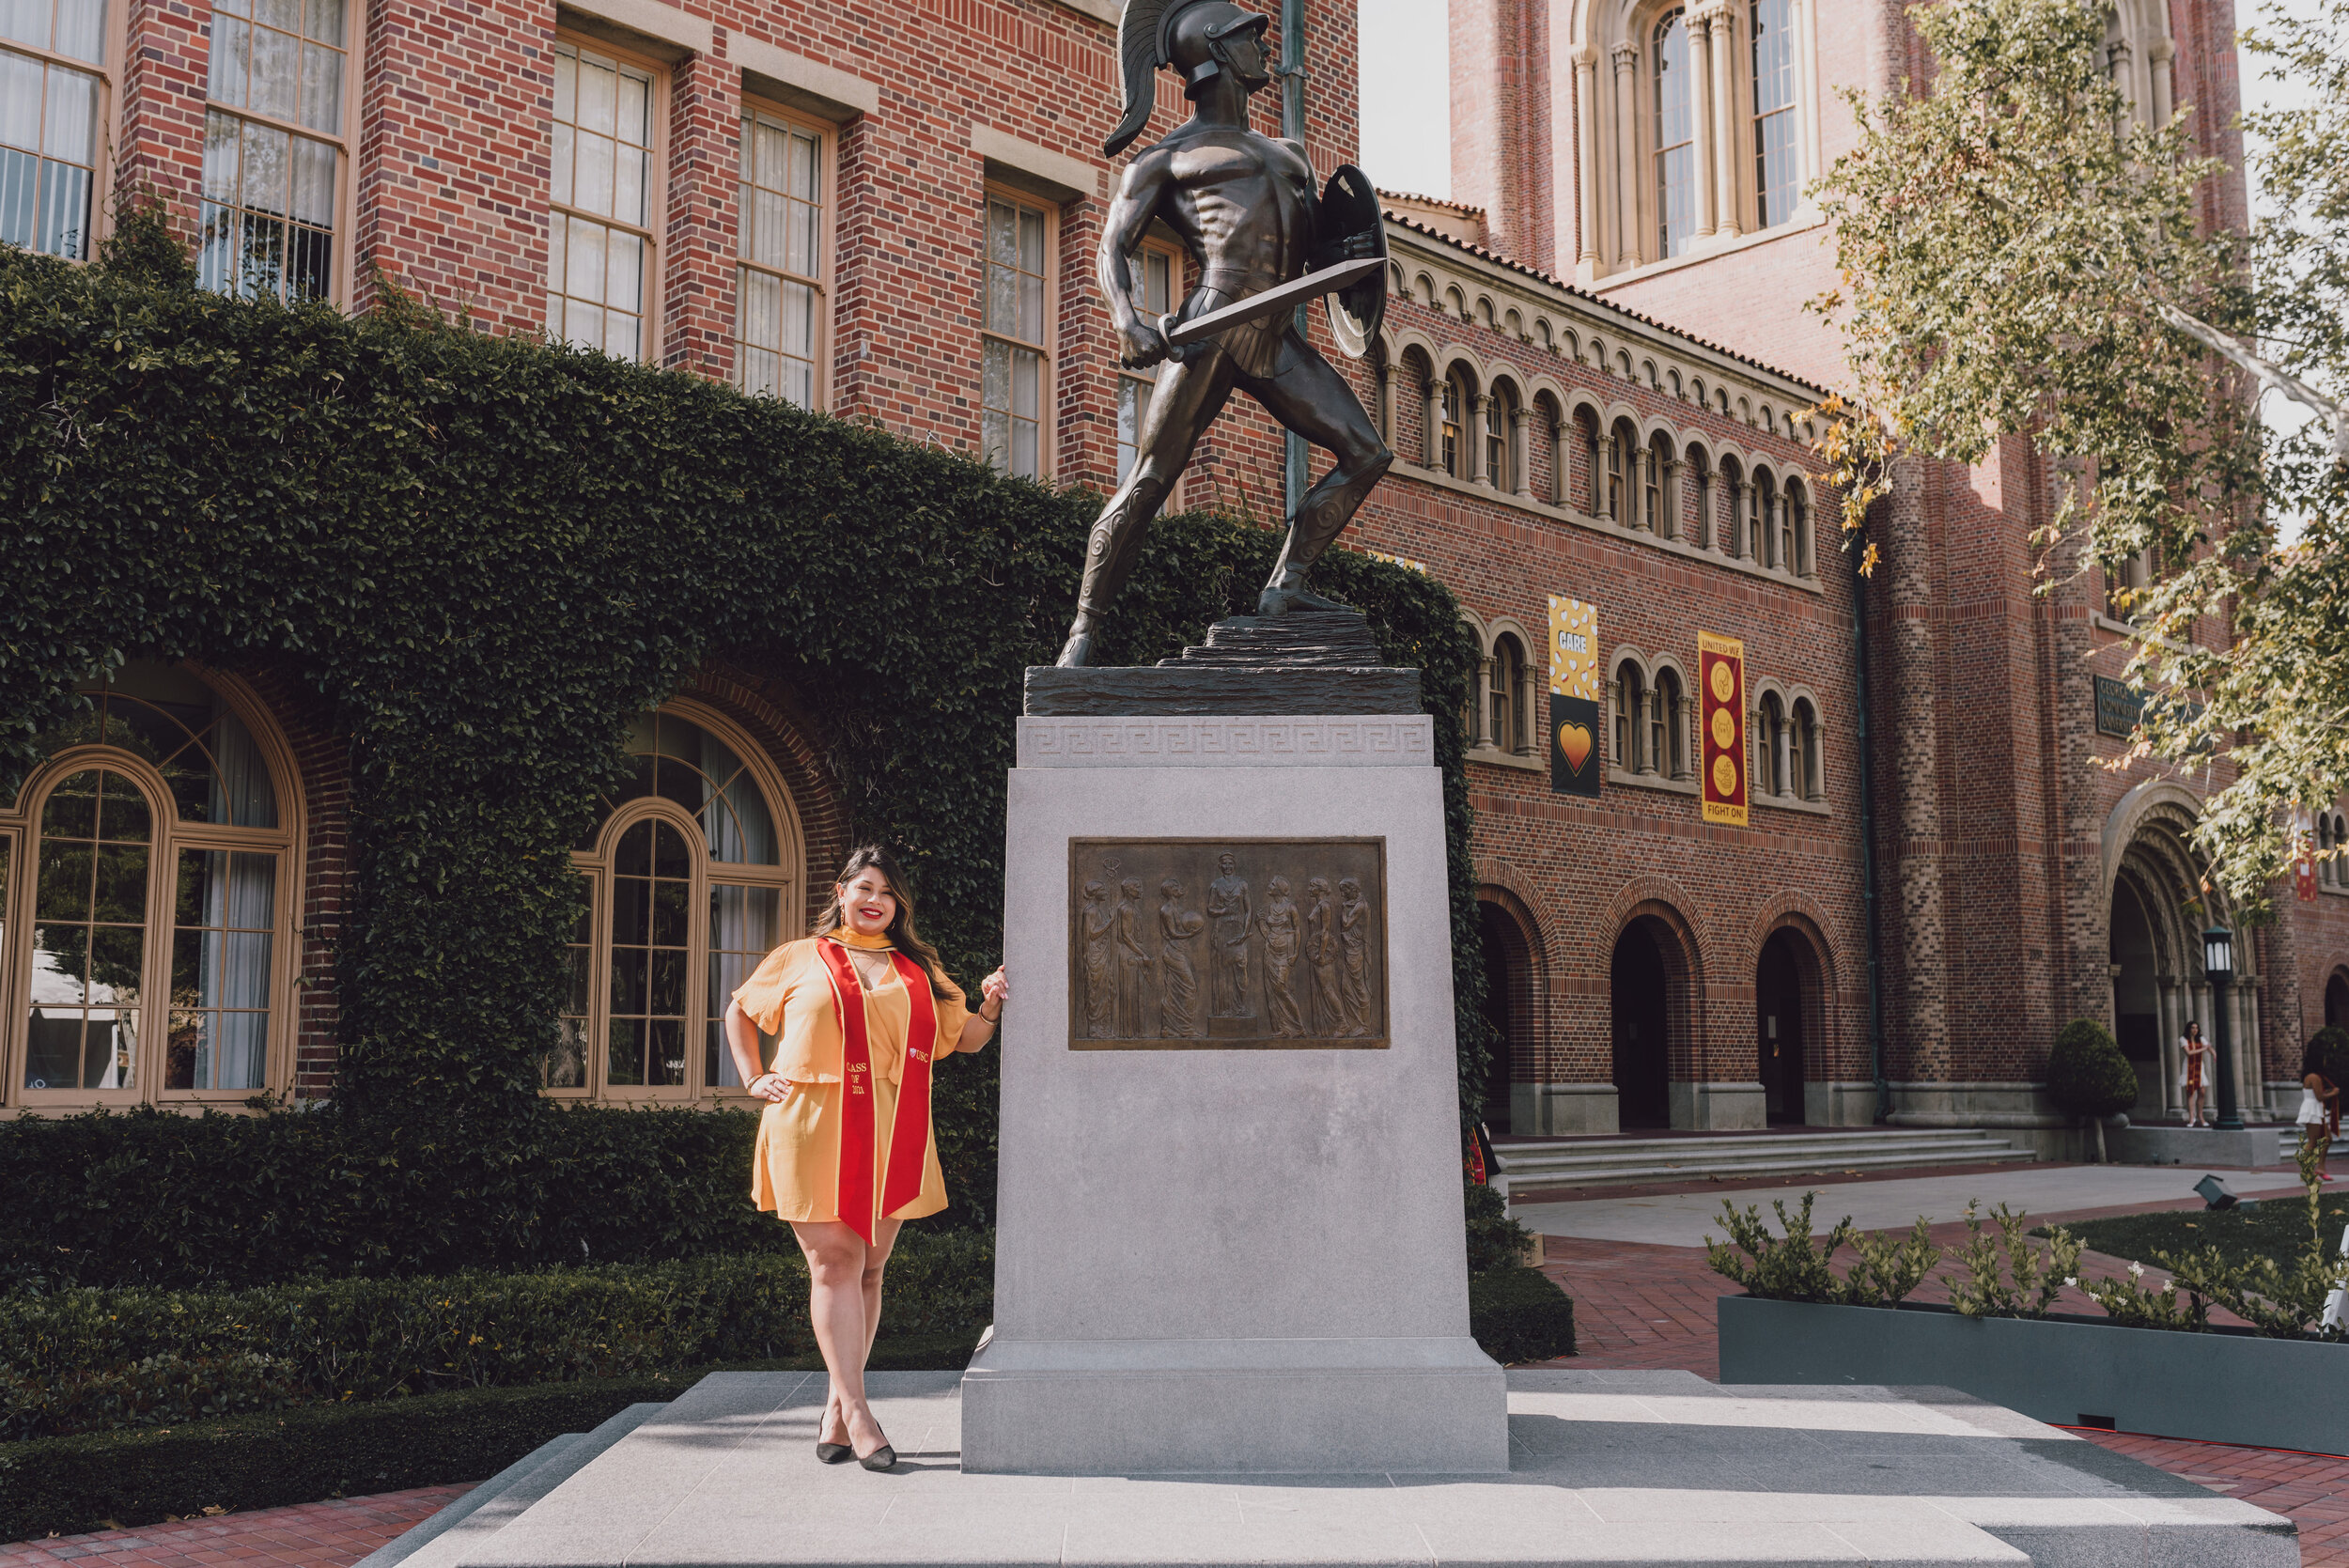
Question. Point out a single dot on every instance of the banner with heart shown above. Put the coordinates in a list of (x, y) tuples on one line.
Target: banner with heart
[(1574, 762), (1574, 694)]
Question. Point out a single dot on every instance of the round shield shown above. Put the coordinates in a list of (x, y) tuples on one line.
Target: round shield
[(1350, 226)]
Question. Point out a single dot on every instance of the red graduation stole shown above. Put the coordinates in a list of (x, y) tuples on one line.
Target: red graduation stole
[(909, 1139)]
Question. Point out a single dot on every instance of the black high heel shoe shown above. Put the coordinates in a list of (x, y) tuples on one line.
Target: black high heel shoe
[(881, 1459), (834, 1453)]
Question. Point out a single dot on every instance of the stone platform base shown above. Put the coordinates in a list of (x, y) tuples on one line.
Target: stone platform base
[(1608, 1467), (1257, 1406)]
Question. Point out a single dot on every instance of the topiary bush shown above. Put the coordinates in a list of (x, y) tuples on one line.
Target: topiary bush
[(1495, 1241), (2087, 1075)]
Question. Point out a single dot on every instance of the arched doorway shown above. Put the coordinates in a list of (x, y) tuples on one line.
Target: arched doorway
[(2336, 1002), (1777, 994), (2136, 976), (1508, 1007), (1639, 985)]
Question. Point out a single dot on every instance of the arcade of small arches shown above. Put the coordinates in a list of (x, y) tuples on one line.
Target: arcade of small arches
[(1680, 1049), (162, 947), (2332, 851), (1540, 444)]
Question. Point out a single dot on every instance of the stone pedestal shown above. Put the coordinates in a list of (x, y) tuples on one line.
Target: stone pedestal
[(1229, 1243)]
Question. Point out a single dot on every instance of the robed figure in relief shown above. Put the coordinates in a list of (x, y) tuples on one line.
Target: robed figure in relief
[(1245, 209)]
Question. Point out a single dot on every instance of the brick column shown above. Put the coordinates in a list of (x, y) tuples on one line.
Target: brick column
[(167, 58), (704, 161), (1918, 948)]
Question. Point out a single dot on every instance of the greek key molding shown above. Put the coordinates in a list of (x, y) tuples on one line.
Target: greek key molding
[(1215, 740)]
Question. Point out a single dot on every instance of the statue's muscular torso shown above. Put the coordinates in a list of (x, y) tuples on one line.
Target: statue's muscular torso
[(1240, 201)]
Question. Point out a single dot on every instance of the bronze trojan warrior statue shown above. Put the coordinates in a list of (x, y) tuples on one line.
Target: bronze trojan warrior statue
[(1245, 209)]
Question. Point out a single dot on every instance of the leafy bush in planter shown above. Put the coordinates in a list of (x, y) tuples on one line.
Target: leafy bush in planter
[(1494, 1240), (2002, 1273), (1792, 1266)]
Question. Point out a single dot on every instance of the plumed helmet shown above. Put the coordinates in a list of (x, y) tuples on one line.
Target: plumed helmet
[(1184, 33)]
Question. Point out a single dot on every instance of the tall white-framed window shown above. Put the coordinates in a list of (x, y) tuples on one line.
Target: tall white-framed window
[(1776, 142), (1159, 272), (149, 939), (1675, 89), (276, 151), (55, 96), (1016, 375), (692, 876), (783, 313), (603, 263)]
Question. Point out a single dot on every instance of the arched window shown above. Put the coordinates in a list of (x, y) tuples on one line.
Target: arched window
[(2323, 841), (1618, 457), (1668, 743), (1803, 751), (1675, 135), (1698, 471), (155, 935), (1732, 507), (1595, 463), (1797, 529), (1778, 166), (1503, 696), (1760, 521), (1630, 705), (1769, 738), (1497, 410), (1450, 413), (1663, 488), (692, 876), (1651, 489)]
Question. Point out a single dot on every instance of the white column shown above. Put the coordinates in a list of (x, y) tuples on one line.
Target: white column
[(1521, 479), (1701, 107), (2124, 78), (1473, 467), (1536, 718), (1627, 155), (1675, 494), (1723, 51), (1733, 542), (1483, 732), (1586, 153), (1603, 486), (2167, 1020), (2164, 53), (1431, 424)]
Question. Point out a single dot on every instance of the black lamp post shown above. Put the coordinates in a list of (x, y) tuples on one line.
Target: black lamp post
[(2218, 968)]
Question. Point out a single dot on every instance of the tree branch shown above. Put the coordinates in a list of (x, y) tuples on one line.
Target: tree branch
[(2267, 374)]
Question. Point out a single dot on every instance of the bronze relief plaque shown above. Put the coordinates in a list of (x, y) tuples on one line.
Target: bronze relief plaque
[(1227, 944)]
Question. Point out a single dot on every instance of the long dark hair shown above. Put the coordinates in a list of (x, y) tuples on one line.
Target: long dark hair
[(876, 857)]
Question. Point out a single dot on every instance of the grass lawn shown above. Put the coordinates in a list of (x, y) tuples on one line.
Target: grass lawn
[(2275, 1227)]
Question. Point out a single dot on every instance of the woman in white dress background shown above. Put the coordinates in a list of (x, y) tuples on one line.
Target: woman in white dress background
[(2319, 1095)]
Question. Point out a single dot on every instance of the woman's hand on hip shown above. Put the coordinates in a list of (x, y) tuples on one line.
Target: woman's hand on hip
[(770, 1087)]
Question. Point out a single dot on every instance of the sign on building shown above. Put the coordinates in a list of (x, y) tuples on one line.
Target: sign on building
[(1722, 688), (1573, 715), (2119, 706)]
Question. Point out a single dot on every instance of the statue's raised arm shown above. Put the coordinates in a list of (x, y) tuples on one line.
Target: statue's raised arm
[(1247, 209)]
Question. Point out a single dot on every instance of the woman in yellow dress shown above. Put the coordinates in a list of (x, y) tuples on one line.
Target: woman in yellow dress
[(846, 1150)]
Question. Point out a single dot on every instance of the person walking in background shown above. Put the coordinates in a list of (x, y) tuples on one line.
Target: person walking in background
[(859, 1010), (2320, 1102), (2195, 1054)]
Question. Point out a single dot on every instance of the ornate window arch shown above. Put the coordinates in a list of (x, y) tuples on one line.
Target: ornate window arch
[(1630, 698), (1505, 697), (1802, 749), (150, 919), (1769, 740), (1668, 746), (695, 872)]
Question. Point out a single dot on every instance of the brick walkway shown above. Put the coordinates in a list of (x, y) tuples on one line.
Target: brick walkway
[(308, 1535), (1653, 1308)]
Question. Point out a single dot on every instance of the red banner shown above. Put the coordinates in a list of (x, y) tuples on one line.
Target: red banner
[(1722, 690), (909, 1134)]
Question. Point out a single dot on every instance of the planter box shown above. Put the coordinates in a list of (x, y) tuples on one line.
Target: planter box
[(2228, 1386)]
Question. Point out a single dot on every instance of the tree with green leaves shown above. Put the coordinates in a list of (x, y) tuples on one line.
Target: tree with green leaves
[(2022, 256)]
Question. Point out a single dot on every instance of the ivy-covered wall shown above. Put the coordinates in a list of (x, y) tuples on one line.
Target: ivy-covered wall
[(486, 556)]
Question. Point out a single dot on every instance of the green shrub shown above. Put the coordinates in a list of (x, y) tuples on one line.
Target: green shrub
[(1793, 1267), (1494, 1239), (66, 1485), (2002, 1275), (1520, 1314), (79, 1360), (2087, 1075), (2332, 1051)]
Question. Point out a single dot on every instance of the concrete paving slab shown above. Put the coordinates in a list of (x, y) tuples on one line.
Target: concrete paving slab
[(1686, 1219), (1628, 1467)]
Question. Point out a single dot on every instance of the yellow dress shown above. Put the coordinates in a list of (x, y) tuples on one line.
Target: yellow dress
[(795, 1169)]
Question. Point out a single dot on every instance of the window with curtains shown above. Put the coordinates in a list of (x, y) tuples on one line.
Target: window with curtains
[(1157, 272), (692, 878), (1016, 376), (1675, 135), (152, 925), (53, 93), (782, 315), (602, 253), (275, 157), (1777, 161)]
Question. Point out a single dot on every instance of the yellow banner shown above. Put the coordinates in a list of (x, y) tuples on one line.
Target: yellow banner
[(1573, 649), (1721, 715)]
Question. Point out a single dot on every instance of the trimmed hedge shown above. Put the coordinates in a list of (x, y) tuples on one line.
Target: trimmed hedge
[(1520, 1314), (117, 1480), (1494, 1239), (484, 556), (85, 1360), (2087, 1075)]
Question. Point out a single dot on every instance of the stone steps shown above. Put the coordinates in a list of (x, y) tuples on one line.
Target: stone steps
[(1628, 1162)]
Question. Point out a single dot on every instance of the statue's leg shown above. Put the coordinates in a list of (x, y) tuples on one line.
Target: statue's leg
[(1188, 397), (1307, 395)]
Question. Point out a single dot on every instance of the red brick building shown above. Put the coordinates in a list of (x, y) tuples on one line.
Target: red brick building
[(890, 212)]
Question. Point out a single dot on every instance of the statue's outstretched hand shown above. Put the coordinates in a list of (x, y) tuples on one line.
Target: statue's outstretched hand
[(1141, 345)]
